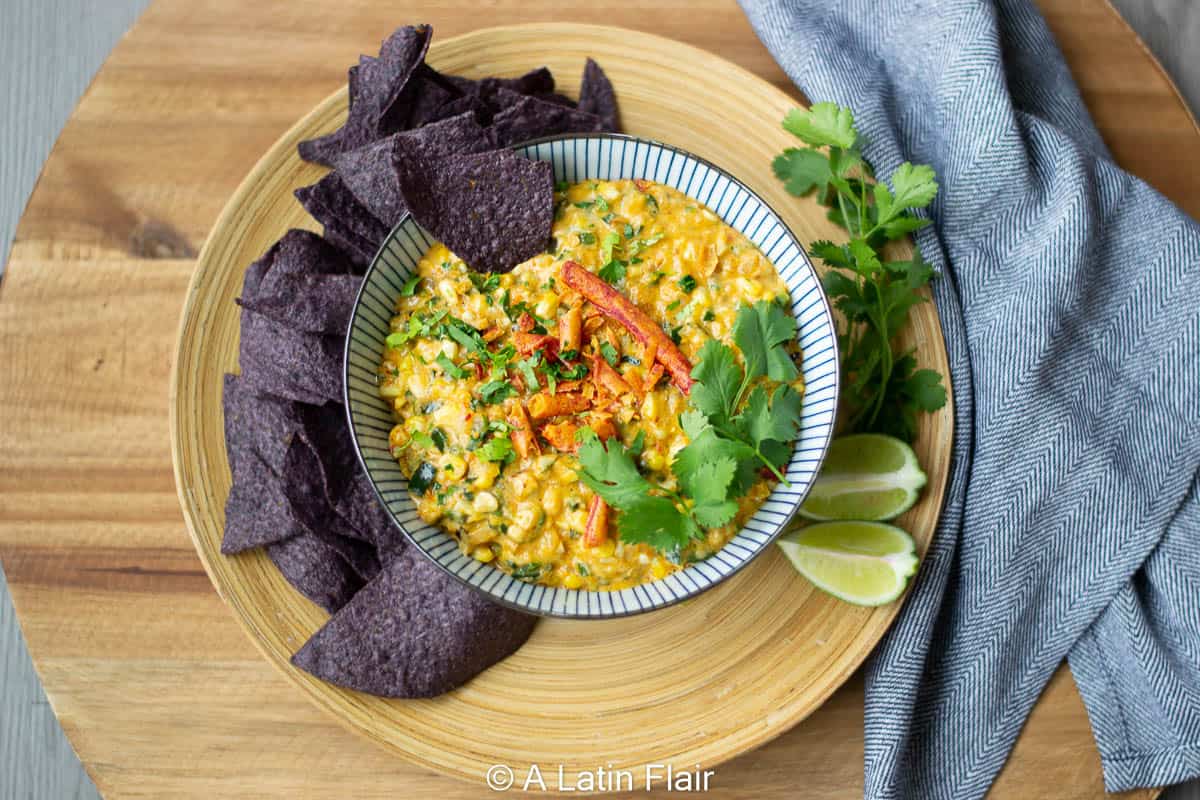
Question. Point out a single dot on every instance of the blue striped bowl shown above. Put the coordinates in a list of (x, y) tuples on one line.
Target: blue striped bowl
[(603, 157)]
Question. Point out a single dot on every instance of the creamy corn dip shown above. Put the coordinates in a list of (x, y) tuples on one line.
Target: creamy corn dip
[(490, 455)]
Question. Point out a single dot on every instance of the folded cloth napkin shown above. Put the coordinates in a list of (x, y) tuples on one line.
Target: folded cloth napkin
[(1070, 301)]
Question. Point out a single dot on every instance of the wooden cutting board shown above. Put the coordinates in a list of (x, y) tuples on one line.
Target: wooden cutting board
[(157, 688)]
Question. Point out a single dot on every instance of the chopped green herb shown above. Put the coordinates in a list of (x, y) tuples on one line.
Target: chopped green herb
[(611, 240), (410, 286), (610, 353), (587, 237), (484, 284), (613, 272), (496, 391), (687, 283), (499, 448), (530, 573), (450, 368)]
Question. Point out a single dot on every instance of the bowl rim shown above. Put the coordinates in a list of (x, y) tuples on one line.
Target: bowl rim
[(742, 562)]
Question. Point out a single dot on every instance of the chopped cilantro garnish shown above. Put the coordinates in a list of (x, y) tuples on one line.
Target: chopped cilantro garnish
[(687, 283), (484, 284), (613, 272), (499, 448), (450, 368), (587, 237), (610, 353), (611, 240), (496, 391)]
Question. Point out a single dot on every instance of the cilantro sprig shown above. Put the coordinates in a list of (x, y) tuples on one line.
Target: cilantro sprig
[(743, 418), (653, 514), (886, 389), (763, 429)]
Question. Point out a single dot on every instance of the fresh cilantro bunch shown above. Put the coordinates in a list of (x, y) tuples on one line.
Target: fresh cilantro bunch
[(736, 429), (886, 390)]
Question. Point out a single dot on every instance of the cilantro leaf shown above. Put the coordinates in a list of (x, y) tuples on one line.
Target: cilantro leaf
[(496, 391), (499, 448), (802, 170), (613, 272), (913, 186), (719, 380), (609, 471), (610, 353), (526, 367), (777, 420), (657, 522), (410, 285), (759, 330), (823, 125), (611, 240), (706, 447), (450, 368), (708, 486)]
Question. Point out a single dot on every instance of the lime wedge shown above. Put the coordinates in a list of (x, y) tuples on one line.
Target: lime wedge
[(865, 563), (865, 476)]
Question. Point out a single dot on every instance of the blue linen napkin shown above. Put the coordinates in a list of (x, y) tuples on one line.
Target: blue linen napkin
[(1070, 301)]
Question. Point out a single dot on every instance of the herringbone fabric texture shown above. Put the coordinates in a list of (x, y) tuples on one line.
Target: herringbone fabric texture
[(1070, 301)]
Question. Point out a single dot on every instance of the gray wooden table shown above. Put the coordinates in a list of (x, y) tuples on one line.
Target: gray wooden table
[(49, 50)]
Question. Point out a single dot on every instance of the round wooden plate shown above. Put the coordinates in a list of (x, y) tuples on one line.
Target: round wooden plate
[(694, 684)]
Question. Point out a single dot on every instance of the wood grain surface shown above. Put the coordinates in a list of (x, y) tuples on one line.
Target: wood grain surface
[(155, 685)]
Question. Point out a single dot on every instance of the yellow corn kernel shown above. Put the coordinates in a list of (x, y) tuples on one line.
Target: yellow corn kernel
[(525, 516), (455, 467), (658, 569), (485, 473), (607, 549), (485, 503), (446, 289), (547, 305), (429, 509), (654, 460), (569, 475), (523, 485), (572, 581), (483, 554), (552, 501), (390, 390)]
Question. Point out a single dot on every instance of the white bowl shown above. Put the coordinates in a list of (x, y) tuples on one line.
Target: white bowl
[(603, 157)]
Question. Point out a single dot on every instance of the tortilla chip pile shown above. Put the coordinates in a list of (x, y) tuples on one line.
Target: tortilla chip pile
[(415, 141)]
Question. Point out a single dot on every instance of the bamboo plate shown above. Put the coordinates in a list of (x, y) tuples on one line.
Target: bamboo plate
[(694, 684)]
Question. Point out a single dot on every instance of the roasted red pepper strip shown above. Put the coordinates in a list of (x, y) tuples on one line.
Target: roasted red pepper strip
[(640, 326), (597, 523)]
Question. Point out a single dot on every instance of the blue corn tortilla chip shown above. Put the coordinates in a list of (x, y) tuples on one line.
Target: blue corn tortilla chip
[(596, 96), (536, 82), (311, 303), (278, 360), (316, 570), (306, 492), (412, 632), (333, 205), (258, 433), (363, 510), (524, 117), (305, 282), (493, 210), (377, 95), (369, 173)]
